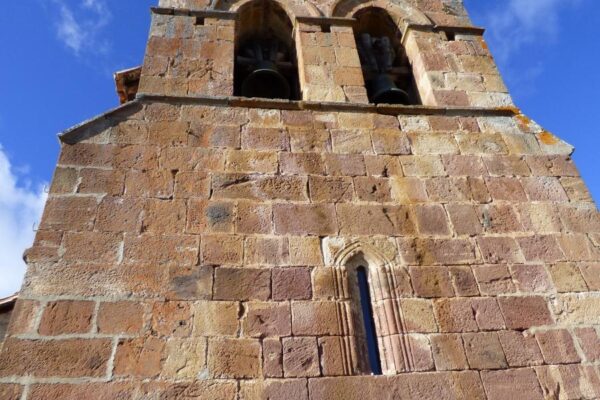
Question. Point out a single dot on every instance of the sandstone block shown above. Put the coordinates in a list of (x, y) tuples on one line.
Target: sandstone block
[(484, 351), (431, 281), (330, 189), (71, 358), (305, 251), (216, 318), (242, 284), (184, 358), (291, 284), (315, 318), (161, 250), (253, 218), (487, 314), (301, 163), (95, 391), (521, 349), (124, 317), (267, 319), (252, 161), (494, 279), (531, 278), (300, 357), (117, 214), (272, 358), (288, 389), (431, 220), (66, 317), (374, 220), (234, 358), (69, 213), (500, 249), (164, 216), (557, 347), (141, 357), (222, 249), (266, 251), (541, 248), (449, 352), (304, 219), (372, 189), (345, 164), (205, 216), (418, 315), (463, 281), (455, 315), (516, 384), (525, 312), (172, 319), (151, 183)]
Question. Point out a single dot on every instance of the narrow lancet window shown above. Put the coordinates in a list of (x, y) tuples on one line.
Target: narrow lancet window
[(385, 65), (368, 320)]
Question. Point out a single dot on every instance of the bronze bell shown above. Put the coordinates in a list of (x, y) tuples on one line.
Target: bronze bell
[(267, 82), (383, 90), (265, 79)]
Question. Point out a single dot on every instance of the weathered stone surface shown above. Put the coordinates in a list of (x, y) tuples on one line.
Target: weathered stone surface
[(234, 358), (300, 357), (66, 317)]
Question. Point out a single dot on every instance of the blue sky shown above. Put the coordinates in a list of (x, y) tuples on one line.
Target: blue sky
[(58, 57)]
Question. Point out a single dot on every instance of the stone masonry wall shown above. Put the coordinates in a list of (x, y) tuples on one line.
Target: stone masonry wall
[(189, 251), (197, 245)]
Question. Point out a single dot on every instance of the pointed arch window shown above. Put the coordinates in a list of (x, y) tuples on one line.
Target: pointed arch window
[(366, 306), (385, 65), (265, 56)]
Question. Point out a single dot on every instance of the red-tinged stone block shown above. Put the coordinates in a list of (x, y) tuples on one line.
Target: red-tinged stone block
[(118, 214), (89, 391), (551, 165), (267, 319), (431, 282), (500, 218), (356, 219), (266, 251), (316, 318), (463, 281), (222, 249), (449, 352), (544, 189), (506, 166), (87, 154), (92, 247), (9, 391), (531, 278), (487, 313), (205, 216), (541, 248), (570, 381), (446, 251), (464, 218), (242, 284), (557, 347), (431, 220), (164, 216), (301, 164), (158, 184), (464, 165), (101, 181), (521, 349), (179, 250), (525, 312), (71, 358), (253, 218), (24, 317), (172, 319), (292, 284), (515, 384), (506, 189), (66, 317), (124, 317), (582, 219), (234, 358), (455, 315), (272, 358), (285, 389), (500, 249), (372, 189), (69, 213), (305, 219), (345, 164), (494, 279), (300, 357), (140, 358), (589, 341), (484, 351)]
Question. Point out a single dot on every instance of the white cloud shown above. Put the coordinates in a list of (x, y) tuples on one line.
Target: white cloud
[(80, 27), (516, 23), (20, 210)]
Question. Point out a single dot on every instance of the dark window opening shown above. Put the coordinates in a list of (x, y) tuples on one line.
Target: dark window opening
[(450, 36), (265, 56), (385, 65), (368, 321), (200, 21), (325, 28)]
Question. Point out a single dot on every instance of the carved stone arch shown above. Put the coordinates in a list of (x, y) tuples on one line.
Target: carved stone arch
[(403, 13), (395, 350), (293, 8)]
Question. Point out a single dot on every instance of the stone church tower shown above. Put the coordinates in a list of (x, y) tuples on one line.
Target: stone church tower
[(311, 200)]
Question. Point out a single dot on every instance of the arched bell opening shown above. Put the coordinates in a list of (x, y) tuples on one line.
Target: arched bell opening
[(265, 56), (385, 65)]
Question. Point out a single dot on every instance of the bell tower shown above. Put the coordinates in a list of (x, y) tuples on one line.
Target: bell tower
[(311, 200)]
